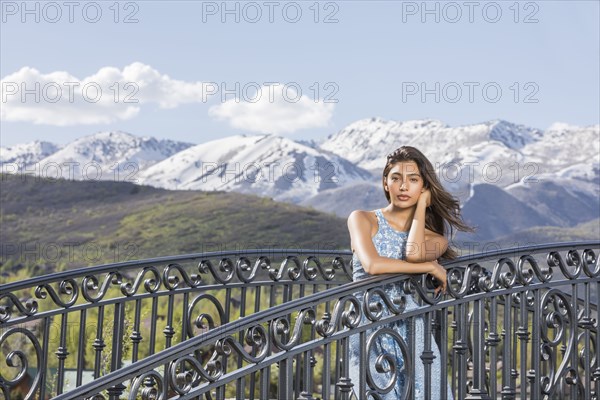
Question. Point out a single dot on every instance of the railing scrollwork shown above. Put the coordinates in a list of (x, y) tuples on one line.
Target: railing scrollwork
[(520, 323)]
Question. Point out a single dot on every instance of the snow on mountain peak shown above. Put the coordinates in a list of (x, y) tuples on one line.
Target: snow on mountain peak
[(22, 156), (268, 165), (104, 155), (512, 135), (366, 142), (497, 152)]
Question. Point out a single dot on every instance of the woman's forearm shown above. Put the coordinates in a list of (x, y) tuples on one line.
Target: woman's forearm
[(385, 265), (415, 245)]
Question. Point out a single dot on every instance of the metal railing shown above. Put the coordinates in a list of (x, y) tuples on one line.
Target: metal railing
[(521, 323), (62, 330)]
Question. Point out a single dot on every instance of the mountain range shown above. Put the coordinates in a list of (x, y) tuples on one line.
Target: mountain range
[(508, 177)]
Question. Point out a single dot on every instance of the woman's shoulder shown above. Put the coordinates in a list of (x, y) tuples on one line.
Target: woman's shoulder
[(363, 218), (370, 215)]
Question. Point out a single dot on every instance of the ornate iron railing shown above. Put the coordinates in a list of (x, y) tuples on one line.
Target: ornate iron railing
[(521, 323), (60, 331)]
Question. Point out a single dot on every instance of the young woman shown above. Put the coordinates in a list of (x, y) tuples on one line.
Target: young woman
[(408, 237)]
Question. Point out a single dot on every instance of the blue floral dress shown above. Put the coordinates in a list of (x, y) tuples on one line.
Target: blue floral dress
[(392, 243)]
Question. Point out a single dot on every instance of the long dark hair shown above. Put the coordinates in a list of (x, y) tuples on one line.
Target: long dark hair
[(443, 215)]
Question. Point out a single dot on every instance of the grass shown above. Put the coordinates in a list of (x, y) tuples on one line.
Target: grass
[(72, 223)]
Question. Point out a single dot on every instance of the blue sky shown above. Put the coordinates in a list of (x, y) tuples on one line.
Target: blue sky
[(535, 63)]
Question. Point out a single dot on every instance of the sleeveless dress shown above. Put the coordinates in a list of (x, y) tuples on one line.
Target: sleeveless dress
[(392, 243)]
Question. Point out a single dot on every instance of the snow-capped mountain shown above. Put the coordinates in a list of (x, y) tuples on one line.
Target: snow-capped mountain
[(495, 152), (563, 146), (108, 156), (24, 156), (266, 165), (512, 135), (492, 165), (367, 142)]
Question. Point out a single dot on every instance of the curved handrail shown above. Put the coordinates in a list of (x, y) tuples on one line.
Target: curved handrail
[(104, 268), (124, 265), (496, 283), (162, 276), (72, 318)]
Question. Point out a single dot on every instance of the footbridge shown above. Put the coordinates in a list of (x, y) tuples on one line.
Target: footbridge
[(277, 324)]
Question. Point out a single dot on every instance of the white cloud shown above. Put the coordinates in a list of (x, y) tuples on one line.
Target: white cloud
[(111, 94), (274, 110)]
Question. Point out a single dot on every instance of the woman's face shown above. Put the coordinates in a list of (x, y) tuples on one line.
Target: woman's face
[(404, 184)]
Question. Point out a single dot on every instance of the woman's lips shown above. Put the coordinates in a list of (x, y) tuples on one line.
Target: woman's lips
[(403, 197)]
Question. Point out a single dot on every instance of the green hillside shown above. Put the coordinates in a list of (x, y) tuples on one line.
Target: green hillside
[(50, 225), (57, 224)]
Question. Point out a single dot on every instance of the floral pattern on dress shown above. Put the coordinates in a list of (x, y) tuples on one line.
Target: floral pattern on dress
[(392, 243)]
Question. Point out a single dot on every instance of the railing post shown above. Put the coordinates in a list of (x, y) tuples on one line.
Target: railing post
[(81, 350), (308, 366), (508, 389), (344, 384), (99, 343), (427, 357), (115, 392), (478, 391), (596, 373), (61, 354), (285, 382), (326, 377), (492, 341), (523, 336), (443, 345), (587, 324), (534, 374), (460, 347), (574, 349), (362, 377), (44, 360)]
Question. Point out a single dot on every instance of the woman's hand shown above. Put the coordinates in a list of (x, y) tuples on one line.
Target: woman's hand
[(425, 197), (439, 273)]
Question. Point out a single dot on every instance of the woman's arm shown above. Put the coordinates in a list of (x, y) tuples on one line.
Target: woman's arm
[(422, 244), (359, 227)]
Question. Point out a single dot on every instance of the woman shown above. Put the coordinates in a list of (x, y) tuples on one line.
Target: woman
[(408, 237)]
